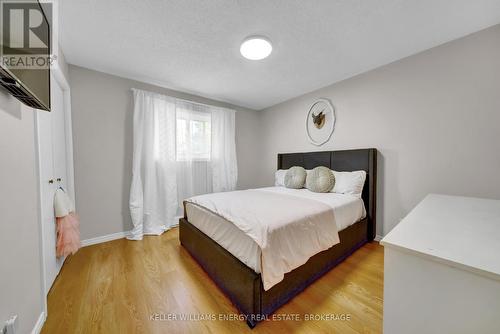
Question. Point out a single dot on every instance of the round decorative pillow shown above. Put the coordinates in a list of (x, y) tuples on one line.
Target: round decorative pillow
[(320, 180), (295, 177)]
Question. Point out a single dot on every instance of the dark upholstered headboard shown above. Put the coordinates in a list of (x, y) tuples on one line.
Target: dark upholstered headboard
[(343, 161)]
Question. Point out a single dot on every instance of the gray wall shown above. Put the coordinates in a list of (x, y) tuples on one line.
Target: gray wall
[(20, 286), (102, 133), (435, 118)]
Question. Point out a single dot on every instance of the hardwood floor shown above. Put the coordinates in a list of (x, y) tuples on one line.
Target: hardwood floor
[(121, 286)]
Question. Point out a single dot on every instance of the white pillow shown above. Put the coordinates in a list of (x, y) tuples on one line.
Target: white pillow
[(349, 183), (279, 177)]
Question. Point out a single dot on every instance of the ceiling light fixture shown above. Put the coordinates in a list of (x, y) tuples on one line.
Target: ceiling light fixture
[(256, 48)]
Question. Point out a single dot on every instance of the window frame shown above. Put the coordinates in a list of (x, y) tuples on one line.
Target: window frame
[(193, 116)]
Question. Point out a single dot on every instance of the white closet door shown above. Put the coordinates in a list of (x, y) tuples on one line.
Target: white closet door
[(46, 160), (59, 135), (52, 164), (47, 188)]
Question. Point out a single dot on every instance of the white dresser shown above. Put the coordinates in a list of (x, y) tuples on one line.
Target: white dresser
[(442, 268)]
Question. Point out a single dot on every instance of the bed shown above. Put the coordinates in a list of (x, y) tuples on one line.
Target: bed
[(232, 260)]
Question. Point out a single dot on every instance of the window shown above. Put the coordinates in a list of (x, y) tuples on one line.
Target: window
[(193, 136)]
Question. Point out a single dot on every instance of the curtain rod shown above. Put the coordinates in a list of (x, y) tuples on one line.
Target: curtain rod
[(183, 100)]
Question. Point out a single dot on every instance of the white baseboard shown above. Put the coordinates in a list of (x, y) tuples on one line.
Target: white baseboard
[(39, 323), (378, 238), (104, 238)]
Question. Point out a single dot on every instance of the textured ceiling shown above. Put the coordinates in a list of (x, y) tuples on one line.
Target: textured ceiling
[(193, 46)]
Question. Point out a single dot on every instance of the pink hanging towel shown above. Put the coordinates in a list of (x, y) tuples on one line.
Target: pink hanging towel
[(68, 225), (68, 235)]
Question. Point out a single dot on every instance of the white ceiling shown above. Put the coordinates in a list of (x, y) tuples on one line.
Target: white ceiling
[(193, 45)]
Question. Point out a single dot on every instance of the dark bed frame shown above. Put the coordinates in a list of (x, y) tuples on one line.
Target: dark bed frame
[(243, 286)]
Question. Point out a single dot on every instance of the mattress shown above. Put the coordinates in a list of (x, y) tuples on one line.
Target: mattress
[(347, 210)]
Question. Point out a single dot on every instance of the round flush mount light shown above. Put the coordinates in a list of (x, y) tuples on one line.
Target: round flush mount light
[(256, 48)]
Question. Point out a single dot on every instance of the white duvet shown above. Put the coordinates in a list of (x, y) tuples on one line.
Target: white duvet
[(289, 227)]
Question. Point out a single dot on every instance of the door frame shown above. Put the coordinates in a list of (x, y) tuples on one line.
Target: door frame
[(61, 79)]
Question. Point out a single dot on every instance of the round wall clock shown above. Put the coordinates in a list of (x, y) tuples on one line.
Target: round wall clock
[(320, 122)]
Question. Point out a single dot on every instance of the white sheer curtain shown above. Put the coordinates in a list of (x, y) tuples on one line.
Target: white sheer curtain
[(181, 149)]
